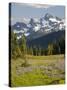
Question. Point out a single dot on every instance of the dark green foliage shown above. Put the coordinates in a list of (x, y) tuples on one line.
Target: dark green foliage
[(15, 51), (23, 46), (39, 51), (46, 39), (18, 50), (51, 44), (31, 51), (21, 50), (57, 47), (62, 45)]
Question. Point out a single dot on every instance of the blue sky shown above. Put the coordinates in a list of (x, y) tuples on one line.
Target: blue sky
[(19, 11)]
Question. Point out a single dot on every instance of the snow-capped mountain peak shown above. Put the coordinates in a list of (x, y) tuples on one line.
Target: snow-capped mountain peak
[(36, 27)]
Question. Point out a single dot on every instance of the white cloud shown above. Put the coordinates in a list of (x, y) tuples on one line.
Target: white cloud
[(19, 19), (39, 5)]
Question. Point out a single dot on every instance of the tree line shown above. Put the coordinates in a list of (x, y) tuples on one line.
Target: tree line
[(21, 49)]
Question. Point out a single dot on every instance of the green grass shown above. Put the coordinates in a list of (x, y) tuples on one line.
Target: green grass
[(61, 81), (37, 76), (50, 57), (30, 79)]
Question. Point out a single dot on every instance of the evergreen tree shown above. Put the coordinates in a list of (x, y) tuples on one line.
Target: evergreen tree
[(14, 46), (50, 49), (23, 46), (39, 51), (56, 48), (62, 45), (31, 50)]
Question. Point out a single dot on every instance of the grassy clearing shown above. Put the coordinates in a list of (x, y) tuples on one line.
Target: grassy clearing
[(50, 57), (43, 70)]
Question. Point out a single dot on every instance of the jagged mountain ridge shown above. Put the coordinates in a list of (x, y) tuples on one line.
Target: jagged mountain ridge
[(36, 28)]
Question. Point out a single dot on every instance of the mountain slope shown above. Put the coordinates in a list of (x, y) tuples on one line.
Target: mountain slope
[(46, 39)]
